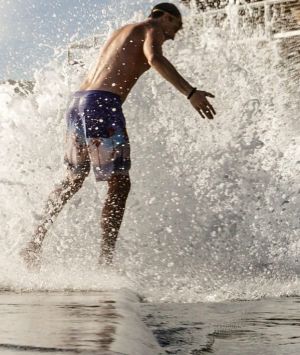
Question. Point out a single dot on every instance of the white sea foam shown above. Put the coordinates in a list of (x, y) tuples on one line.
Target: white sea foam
[(213, 211)]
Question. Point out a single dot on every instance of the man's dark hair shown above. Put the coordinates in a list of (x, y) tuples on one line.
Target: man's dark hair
[(159, 9)]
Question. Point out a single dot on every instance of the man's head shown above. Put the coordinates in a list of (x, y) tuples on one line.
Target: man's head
[(169, 18)]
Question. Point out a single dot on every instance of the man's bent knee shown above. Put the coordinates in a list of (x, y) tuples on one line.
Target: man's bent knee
[(76, 179)]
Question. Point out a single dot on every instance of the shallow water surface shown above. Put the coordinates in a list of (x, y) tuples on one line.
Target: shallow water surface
[(74, 323), (41, 323), (266, 327), (111, 323)]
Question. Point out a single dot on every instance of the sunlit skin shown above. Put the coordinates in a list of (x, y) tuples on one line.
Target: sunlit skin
[(134, 49), (129, 52)]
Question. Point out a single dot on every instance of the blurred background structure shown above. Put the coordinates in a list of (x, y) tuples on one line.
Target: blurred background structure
[(275, 20), (262, 20)]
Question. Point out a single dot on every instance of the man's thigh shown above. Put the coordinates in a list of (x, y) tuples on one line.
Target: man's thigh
[(119, 184), (110, 156), (76, 156)]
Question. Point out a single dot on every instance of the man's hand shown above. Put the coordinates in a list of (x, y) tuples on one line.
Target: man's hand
[(201, 104)]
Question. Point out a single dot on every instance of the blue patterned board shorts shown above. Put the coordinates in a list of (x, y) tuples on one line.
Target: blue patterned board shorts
[(96, 135)]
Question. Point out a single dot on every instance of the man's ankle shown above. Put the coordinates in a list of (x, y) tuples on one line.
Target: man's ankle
[(35, 245), (106, 258)]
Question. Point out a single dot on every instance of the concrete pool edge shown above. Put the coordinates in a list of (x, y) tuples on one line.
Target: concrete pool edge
[(133, 337), (113, 316)]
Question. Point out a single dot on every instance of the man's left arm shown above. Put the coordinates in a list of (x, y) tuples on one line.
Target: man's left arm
[(153, 52)]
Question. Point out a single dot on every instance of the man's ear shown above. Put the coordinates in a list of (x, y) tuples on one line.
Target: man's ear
[(169, 17)]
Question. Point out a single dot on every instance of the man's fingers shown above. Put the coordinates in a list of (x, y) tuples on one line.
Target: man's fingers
[(207, 112), (208, 94), (204, 107), (211, 108), (209, 115), (207, 108), (201, 114)]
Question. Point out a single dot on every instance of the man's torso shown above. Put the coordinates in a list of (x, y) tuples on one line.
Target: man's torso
[(121, 62)]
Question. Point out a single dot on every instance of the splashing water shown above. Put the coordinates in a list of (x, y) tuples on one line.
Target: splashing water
[(212, 214)]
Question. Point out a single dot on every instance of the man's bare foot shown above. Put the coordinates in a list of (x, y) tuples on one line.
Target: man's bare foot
[(31, 256)]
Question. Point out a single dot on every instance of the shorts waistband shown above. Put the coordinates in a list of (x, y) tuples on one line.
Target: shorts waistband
[(99, 93)]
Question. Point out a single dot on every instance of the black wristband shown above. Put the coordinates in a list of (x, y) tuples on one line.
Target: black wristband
[(192, 93)]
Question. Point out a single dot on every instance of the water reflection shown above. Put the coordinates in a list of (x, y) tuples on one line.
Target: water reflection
[(57, 323), (254, 327)]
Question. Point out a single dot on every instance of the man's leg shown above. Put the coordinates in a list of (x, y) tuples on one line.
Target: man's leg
[(56, 201), (112, 215)]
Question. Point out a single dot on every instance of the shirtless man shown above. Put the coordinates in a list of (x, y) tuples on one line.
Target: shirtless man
[(96, 132)]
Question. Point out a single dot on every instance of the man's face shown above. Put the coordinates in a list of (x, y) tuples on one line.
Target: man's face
[(172, 25)]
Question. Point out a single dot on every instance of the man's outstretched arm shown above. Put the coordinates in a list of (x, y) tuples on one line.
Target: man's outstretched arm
[(153, 52)]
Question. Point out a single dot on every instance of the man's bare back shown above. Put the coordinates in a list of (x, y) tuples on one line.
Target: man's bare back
[(121, 62), (131, 51)]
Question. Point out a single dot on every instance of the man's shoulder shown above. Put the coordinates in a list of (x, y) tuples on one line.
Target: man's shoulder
[(154, 31), (137, 28), (142, 26), (142, 30)]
